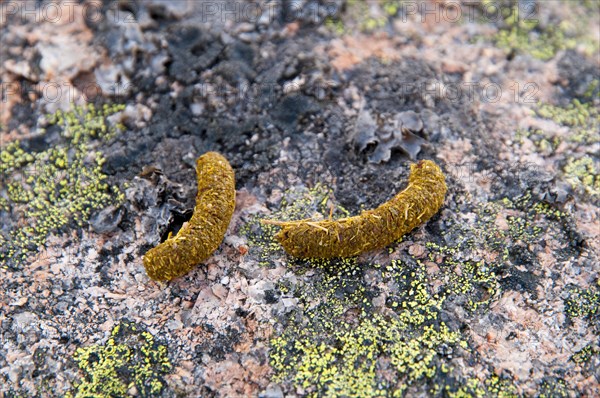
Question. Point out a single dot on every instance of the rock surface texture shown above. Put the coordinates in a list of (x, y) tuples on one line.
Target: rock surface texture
[(320, 106)]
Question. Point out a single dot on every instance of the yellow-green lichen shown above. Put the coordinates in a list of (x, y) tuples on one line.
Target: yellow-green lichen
[(583, 173), (477, 281), (583, 303), (493, 386), (338, 338), (48, 190), (335, 348), (364, 16), (335, 344), (527, 225), (130, 363), (547, 210), (583, 120), (586, 353), (552, 387), (522, 32)]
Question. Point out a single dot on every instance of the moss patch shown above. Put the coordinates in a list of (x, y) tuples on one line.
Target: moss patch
[(55, 188), (130, 363)]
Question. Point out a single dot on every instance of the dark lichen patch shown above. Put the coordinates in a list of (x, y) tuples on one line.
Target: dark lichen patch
[(586, 354), (553, 387), (520, 277), (512, 262), (50, 190), (131, 362), (494, 386), (219, 344), (517, 239)]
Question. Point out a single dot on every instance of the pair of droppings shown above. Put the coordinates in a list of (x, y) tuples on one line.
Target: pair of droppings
[(345, 237)]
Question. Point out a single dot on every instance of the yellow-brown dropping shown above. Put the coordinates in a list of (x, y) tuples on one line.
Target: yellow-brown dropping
[(372, 229), (204, 232)]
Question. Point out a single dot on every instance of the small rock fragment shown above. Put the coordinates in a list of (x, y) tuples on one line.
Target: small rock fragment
[(106, 220), (272, 391), (410, 143), (410, 120), (364, 131)]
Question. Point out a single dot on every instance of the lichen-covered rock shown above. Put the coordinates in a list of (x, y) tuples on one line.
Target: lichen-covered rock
[(318, 106), (131, 362)]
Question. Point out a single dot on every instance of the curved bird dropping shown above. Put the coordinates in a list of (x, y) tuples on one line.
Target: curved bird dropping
[(204, 232), (372, 229)]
